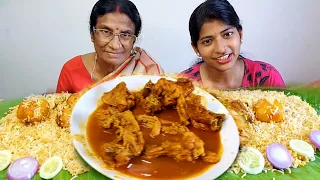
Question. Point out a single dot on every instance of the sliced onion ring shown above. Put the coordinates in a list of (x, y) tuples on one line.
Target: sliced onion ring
[(23, 169), (279, 156), (315, 138)]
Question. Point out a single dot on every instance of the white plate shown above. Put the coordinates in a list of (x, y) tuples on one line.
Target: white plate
[(88, 103)]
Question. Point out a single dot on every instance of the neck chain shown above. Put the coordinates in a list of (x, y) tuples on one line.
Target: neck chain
[(94, 66)]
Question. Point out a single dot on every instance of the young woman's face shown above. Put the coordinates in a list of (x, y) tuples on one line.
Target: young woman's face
[(114, 38), (219, 45)]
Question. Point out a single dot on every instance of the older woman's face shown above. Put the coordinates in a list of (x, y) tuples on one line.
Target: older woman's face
[(114, 38)]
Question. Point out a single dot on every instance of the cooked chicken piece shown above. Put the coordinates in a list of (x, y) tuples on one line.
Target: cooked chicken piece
[(128, 143), (188, 149), (105, 115), (63, 119), (200, 116), (122, 158), (151, 104), (127, 120), (137, 97), (72, 100), (240, 112), (58, 100), (162, 86), (119, 134), (242, 108), (147, 89), (119, 97), (182, 111), (151, 122), (169, 127), (115, 155), (168, 90), (65, 108), (133, 141), (142, 94), (186, 85), (124, 122), (211, 157), (200, 125), (161, 125), (192, 142)]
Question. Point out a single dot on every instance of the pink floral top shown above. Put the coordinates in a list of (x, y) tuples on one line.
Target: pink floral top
[(256, 74)]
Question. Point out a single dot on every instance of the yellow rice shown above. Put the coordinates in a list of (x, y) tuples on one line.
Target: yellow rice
[(42, 140), (299, 119)]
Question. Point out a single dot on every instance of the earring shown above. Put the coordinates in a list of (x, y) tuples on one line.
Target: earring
[(241, 41), (198, 54)]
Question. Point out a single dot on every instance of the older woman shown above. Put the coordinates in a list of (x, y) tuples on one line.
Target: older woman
[(216, 36), (114, 28)]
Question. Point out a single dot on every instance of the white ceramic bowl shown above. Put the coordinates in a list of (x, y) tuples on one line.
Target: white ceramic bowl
[(88, 103)]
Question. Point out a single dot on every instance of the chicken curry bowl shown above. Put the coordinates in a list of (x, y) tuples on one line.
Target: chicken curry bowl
[(150, 127)]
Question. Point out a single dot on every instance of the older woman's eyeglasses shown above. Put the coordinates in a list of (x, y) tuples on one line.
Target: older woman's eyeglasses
[(107, 35)]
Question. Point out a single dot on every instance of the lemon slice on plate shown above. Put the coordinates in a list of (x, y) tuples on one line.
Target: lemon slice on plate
[(251, 161), (302, 148), (5, 159), (51, 167)]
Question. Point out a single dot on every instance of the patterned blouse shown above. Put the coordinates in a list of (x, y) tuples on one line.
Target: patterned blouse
[(256, 74)]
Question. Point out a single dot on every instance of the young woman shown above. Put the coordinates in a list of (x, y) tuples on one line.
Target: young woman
[(114, 27), (216, 37)]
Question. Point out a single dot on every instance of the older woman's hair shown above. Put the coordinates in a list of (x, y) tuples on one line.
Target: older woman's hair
[(103, 7)]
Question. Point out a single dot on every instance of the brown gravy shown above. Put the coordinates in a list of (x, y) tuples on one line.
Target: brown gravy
[(161, 167)]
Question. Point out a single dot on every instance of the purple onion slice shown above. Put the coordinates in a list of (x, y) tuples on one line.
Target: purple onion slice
[(315, 138), (279, 156), (23, 169)]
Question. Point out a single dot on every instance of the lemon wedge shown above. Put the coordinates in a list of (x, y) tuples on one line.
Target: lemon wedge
[(51, 167), (251, 161), (5, 159), (302, 148)]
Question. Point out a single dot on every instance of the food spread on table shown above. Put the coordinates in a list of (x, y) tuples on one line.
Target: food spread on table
[(158, 130), (277, 132)]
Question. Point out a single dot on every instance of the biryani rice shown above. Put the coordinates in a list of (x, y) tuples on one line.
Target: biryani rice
[(299, 119), (41, 140)]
